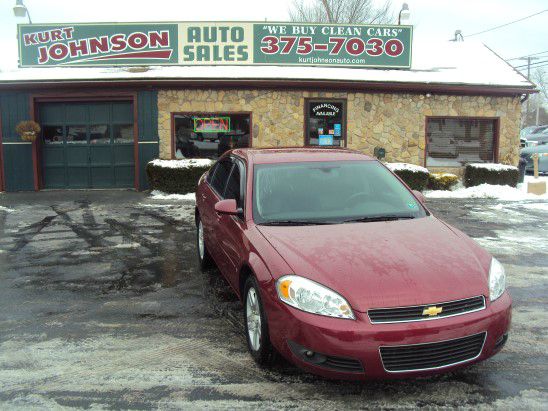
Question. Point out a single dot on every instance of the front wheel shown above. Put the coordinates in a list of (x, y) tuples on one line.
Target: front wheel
[(256, 327), (204, 259)]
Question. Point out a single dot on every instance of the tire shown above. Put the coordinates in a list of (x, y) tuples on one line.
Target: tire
[(204, 258), (258, 344)]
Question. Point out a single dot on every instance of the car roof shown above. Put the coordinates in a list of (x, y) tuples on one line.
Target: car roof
[(298, 154)]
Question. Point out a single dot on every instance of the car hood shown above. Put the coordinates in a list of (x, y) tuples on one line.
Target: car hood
[(384, 264)]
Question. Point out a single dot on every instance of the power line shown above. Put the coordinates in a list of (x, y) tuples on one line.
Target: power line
[(532, 64), (528, 55), (507, 24)]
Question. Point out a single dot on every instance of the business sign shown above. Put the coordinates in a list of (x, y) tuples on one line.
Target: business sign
[(221, 43), (211, 124)]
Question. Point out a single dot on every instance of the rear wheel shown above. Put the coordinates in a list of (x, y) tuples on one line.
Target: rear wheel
[(256, 326), (204, 259)]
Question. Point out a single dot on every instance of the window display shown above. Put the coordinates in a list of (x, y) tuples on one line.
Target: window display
[(209, 134), (325, 123)]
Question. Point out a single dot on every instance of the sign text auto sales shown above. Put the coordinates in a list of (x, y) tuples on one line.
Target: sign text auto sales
[(215, 44)]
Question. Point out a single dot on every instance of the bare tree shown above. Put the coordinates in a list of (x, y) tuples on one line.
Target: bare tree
[(538, 103), (341, 11)]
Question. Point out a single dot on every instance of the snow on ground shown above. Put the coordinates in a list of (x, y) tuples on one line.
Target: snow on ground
[(186, 163), (504, 193), (160, 195), (6, 209), (406, 166), (179, 207)]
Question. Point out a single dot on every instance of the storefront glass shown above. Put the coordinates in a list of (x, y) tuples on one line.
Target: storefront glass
[(209, 134), (454, 142), (325, 123)]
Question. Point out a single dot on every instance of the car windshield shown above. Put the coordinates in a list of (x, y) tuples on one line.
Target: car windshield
[(330, 192)]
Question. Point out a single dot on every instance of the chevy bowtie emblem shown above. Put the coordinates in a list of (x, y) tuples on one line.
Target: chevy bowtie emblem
[(432, 311)]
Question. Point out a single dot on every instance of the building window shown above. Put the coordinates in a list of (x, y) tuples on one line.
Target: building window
[(209, 134), (325, 123), (454, 142)]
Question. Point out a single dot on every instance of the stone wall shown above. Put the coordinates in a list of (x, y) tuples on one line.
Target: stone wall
[(393, 121)]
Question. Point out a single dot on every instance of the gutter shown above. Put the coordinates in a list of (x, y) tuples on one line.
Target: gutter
[(338, 85)]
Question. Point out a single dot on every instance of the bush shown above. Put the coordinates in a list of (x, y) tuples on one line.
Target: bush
[(442, 181), (176, 176), (416, 177), (489, 173)]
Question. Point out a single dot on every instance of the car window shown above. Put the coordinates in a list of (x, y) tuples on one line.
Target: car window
[(219, 179), (329, 191), (212, 173), (233, 186)]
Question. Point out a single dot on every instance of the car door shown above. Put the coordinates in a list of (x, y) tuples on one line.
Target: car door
[(231, 229), (211, 221)]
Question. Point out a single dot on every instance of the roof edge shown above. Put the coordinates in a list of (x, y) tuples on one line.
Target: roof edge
[(346, 85)]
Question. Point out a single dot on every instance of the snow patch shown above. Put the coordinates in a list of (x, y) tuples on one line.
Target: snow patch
[(127, 245), (505, 193), (406, 166), (6, 209), (492, 166), (160, 195), (185, 163)]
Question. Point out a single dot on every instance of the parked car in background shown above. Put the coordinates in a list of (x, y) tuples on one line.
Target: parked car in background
[(527, 130), (537, 138), (542, 151), (326, 249)]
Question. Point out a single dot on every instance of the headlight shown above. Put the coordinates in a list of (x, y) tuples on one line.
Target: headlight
[(309, 296), (497, 280)]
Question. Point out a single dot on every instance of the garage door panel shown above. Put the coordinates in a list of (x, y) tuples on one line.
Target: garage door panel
[(53, 113), (124, 154), (54, 177), (77, 112), (100, 155), (102, 176), (77, 155), (54, 156), (124, 176), (78, 177)]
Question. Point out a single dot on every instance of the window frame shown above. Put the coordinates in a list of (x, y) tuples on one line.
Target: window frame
[(496, 133), (307, 102), (209, 113)]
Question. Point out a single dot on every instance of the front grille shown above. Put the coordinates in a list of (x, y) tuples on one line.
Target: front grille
[(416, 312), (432, 355)]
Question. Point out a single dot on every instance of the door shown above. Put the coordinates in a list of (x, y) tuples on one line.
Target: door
[(231, 227), (87, 144), (210, 219)]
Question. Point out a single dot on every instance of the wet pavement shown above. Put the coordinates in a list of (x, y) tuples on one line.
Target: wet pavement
[(102, 306)]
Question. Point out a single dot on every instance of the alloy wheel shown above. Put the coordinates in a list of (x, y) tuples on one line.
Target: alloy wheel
[(253, 315)]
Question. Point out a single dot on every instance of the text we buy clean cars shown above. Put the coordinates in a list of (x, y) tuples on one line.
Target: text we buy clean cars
[(214, 43)]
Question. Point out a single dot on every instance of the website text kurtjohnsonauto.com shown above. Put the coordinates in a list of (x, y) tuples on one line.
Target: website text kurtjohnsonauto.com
[(330, 60)]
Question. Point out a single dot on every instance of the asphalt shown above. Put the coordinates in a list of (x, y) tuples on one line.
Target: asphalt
[(102, 307)]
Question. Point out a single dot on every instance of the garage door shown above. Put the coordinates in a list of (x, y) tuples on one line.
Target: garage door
[(87, 145)]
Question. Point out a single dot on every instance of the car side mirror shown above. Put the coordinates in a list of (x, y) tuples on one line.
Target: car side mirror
[(420, 196), (228, 207)]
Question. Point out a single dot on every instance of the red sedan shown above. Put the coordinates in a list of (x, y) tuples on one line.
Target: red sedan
[(343, 270)]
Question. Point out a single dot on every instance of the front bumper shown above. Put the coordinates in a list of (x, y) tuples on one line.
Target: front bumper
[(346, 340)]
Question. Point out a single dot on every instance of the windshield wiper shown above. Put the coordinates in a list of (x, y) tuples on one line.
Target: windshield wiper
[(379, 218), (295, 222)]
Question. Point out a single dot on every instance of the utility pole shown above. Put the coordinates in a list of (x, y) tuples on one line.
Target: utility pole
[(529, 59)]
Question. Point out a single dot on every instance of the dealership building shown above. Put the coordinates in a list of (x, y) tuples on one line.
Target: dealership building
[(109, 98)]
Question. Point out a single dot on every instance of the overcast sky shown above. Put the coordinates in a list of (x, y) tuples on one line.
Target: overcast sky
[(436, 19)]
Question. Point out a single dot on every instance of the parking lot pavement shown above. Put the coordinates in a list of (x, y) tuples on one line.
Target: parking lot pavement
[(102, 306)]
